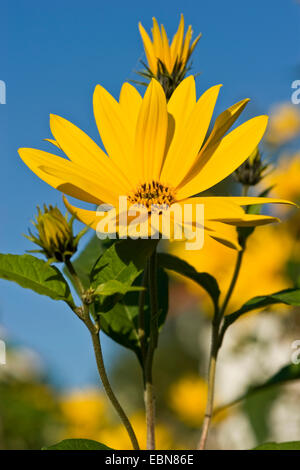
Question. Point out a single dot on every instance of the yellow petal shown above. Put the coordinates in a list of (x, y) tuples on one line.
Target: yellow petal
[(130, 101), (157, 40), (166, 49), (53, 142), (249, 220), (222, 124), (224, 234), (189, 138), (232, 151), (65, 176), (180, 106), (186, 45), (250, 200), (105, 193), (151, 132), (89, 218), (224, 121), (149, 51), (176, 46), (182, 102), (215, 207), (83, 151), (92, 219), (111, 122), (224, 240), (194, 44)]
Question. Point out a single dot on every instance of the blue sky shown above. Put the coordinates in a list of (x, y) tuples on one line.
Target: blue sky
[(52, 56)]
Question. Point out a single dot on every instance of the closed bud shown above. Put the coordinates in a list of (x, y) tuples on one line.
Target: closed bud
[(252, 170), (54, 234)]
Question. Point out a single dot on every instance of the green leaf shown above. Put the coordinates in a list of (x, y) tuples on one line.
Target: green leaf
[(35, 274), (204, 280), (121, 322), (123, 261), (287, 373), (288, 297), (292, 445), (78, 444), (115, 287)]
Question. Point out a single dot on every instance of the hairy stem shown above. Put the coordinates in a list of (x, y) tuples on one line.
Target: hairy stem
[(107, 387), (94, 329), (148, 380), (141, 317), (210, 401)]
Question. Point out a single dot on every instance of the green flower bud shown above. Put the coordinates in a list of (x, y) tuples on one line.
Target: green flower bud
[(54, 234), (252, 170)]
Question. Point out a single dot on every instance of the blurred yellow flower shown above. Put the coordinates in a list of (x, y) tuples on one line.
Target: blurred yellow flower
[(86, 415), (117, 438), (284, 124), (263, 268), (84, 412), (286, 177), (285, 181), (160, 54), (187, 397)]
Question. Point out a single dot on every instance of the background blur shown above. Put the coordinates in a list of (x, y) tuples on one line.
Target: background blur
[(52, 58)]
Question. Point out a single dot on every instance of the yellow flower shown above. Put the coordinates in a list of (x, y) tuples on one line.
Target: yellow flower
[(285, 178), (262, 271), (154, 158), (117, 438), (187, 397), (162, 55), (84, 412), (284, 124)]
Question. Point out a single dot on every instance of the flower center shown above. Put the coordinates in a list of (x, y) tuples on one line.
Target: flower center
[(153, 194)]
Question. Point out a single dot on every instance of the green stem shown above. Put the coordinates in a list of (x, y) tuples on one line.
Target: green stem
[(232, 283), (107, 387), (77, 282), (149, 396), (216, 342), (94, 330), (210, 400), (141, 317)]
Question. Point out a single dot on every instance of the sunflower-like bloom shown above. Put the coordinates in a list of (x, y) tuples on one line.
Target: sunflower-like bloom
[(168, 62), (153, 156)]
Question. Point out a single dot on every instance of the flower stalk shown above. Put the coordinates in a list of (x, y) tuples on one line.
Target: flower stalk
[(149, 395), (94, 329)]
